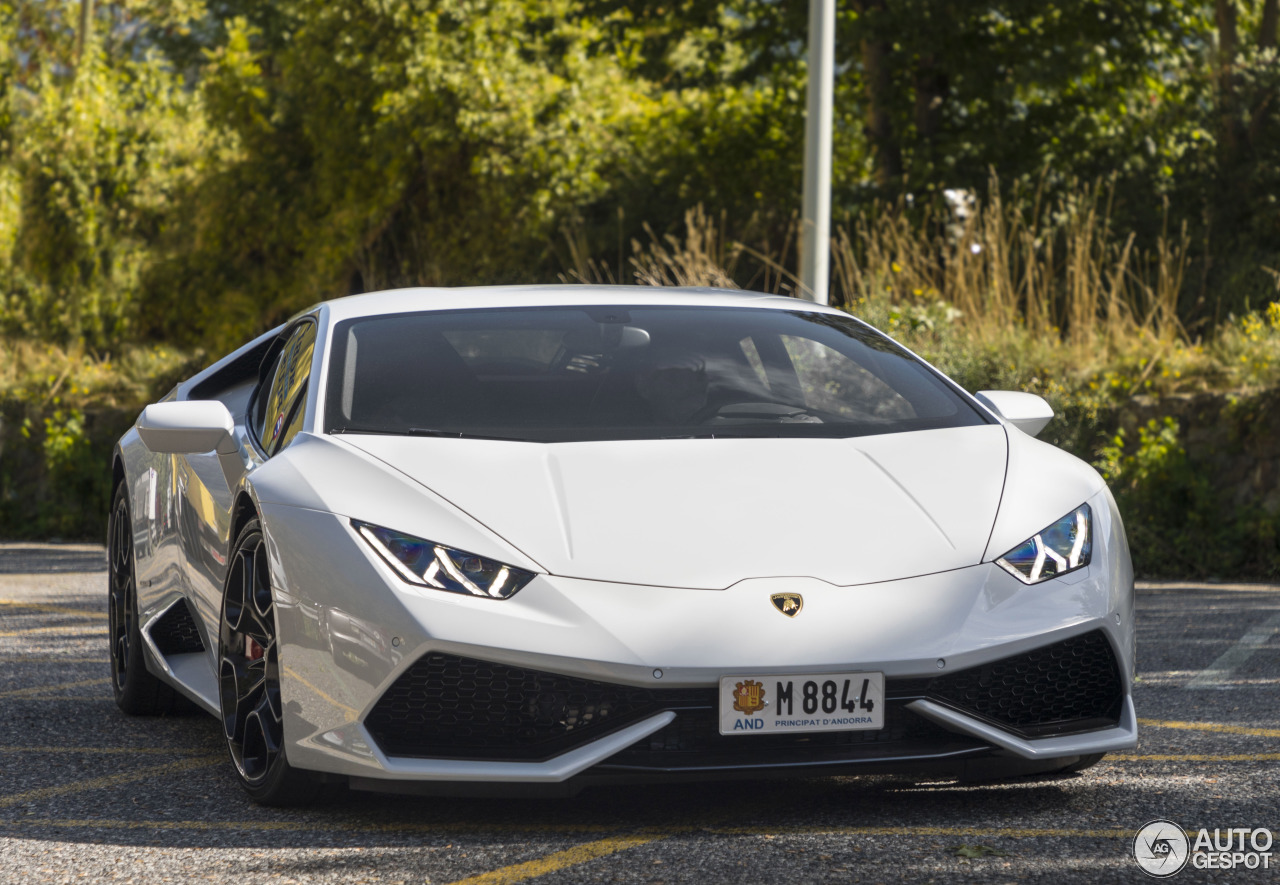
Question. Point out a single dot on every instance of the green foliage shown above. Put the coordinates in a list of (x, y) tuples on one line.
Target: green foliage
[(61, 412), (87, 184), (199, 170), (74, 471), (194, 171), (1063, 83), (1178, 523), (54, 475)]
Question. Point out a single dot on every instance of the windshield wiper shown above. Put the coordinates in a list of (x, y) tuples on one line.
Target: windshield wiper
[(356, 428), (422, 431)]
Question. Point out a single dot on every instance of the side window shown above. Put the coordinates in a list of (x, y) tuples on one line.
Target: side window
[(283, 398)]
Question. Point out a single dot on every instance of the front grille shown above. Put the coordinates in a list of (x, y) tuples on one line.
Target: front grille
[(453, 707), (175, 632), (1072, 685)]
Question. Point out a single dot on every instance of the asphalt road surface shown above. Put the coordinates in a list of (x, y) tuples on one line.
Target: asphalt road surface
[(88, 794)]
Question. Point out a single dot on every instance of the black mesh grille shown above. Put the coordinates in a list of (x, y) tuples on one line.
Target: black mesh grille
[(1072, 685), (453, 707), (446, 706), (175, 633)]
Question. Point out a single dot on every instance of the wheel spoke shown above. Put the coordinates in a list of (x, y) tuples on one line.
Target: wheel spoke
[(256, 626), (270, 726), (261, 584), (234, 604), (249, 680), (232, 725), (272, 682), (120, 593)]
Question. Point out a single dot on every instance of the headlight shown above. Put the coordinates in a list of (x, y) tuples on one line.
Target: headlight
[(428, 564), (1062, 547)]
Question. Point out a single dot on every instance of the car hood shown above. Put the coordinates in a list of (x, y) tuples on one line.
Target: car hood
[(707, 513)]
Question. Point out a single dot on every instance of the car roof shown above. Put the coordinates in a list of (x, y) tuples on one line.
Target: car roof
[(418, 299)]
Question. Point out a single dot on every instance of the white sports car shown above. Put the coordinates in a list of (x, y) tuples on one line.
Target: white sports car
[(437, 539)]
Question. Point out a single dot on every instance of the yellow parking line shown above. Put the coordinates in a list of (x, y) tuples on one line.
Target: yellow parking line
[(61, 628), (1212, 726), (561, 859), (111, 751), (53, 609), (38, 689), (110, 780)]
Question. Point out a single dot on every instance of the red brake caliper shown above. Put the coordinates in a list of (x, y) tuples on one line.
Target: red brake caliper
[(252, 650)]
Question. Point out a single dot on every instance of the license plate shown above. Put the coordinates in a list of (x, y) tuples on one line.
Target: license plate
[(795, 704)]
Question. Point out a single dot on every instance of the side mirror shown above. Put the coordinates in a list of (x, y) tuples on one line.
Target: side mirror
[(1025, 411), (191, 428), (188, 428)]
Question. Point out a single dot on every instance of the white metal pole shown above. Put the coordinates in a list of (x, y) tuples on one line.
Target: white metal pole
[(815, 223)]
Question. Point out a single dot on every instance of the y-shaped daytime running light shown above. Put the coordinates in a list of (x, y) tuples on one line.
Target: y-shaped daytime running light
[(1062, 547), (428, 564)]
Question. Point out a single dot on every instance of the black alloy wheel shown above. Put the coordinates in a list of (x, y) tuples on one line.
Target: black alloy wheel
[(249, 678), (137, 692)]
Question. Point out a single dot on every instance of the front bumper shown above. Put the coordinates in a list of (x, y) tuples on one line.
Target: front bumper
[(918, 632)]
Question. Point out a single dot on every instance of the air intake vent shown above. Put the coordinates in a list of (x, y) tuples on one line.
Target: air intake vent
[(175, 632), (1069, 686), (453, 707)]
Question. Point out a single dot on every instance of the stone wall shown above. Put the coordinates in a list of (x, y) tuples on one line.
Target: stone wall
[(1233, 438)]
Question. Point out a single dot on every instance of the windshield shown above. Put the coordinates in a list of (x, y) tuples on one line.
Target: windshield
[(570, 374)]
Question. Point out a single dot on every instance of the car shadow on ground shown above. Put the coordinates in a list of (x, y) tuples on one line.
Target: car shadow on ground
[(203, 806)]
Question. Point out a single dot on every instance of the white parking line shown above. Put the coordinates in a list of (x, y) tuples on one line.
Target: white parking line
[(1217, 673)]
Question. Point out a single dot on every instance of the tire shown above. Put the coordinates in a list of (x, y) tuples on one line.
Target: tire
[(249, 679), (137, 691)]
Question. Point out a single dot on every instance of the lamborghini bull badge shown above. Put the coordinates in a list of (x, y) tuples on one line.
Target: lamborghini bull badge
[(788, 603), (748, 696)]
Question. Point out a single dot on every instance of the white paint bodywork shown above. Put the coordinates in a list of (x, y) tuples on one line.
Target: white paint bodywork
[(707, 513), (655, 555)]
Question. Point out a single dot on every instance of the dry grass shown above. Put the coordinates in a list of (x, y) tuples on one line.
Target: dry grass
[(49, 376), (1044, 296), (703, 256), (1017, 271)]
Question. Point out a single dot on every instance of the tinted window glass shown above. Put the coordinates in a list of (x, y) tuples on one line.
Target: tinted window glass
[(564, 374), (286, 393)]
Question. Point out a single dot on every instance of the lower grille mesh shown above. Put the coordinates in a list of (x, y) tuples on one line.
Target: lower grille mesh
[(451, 707), (454, 707), (1071, 683)]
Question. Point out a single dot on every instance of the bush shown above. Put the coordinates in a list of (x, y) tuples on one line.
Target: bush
[(56, 473), (1179, 523)]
